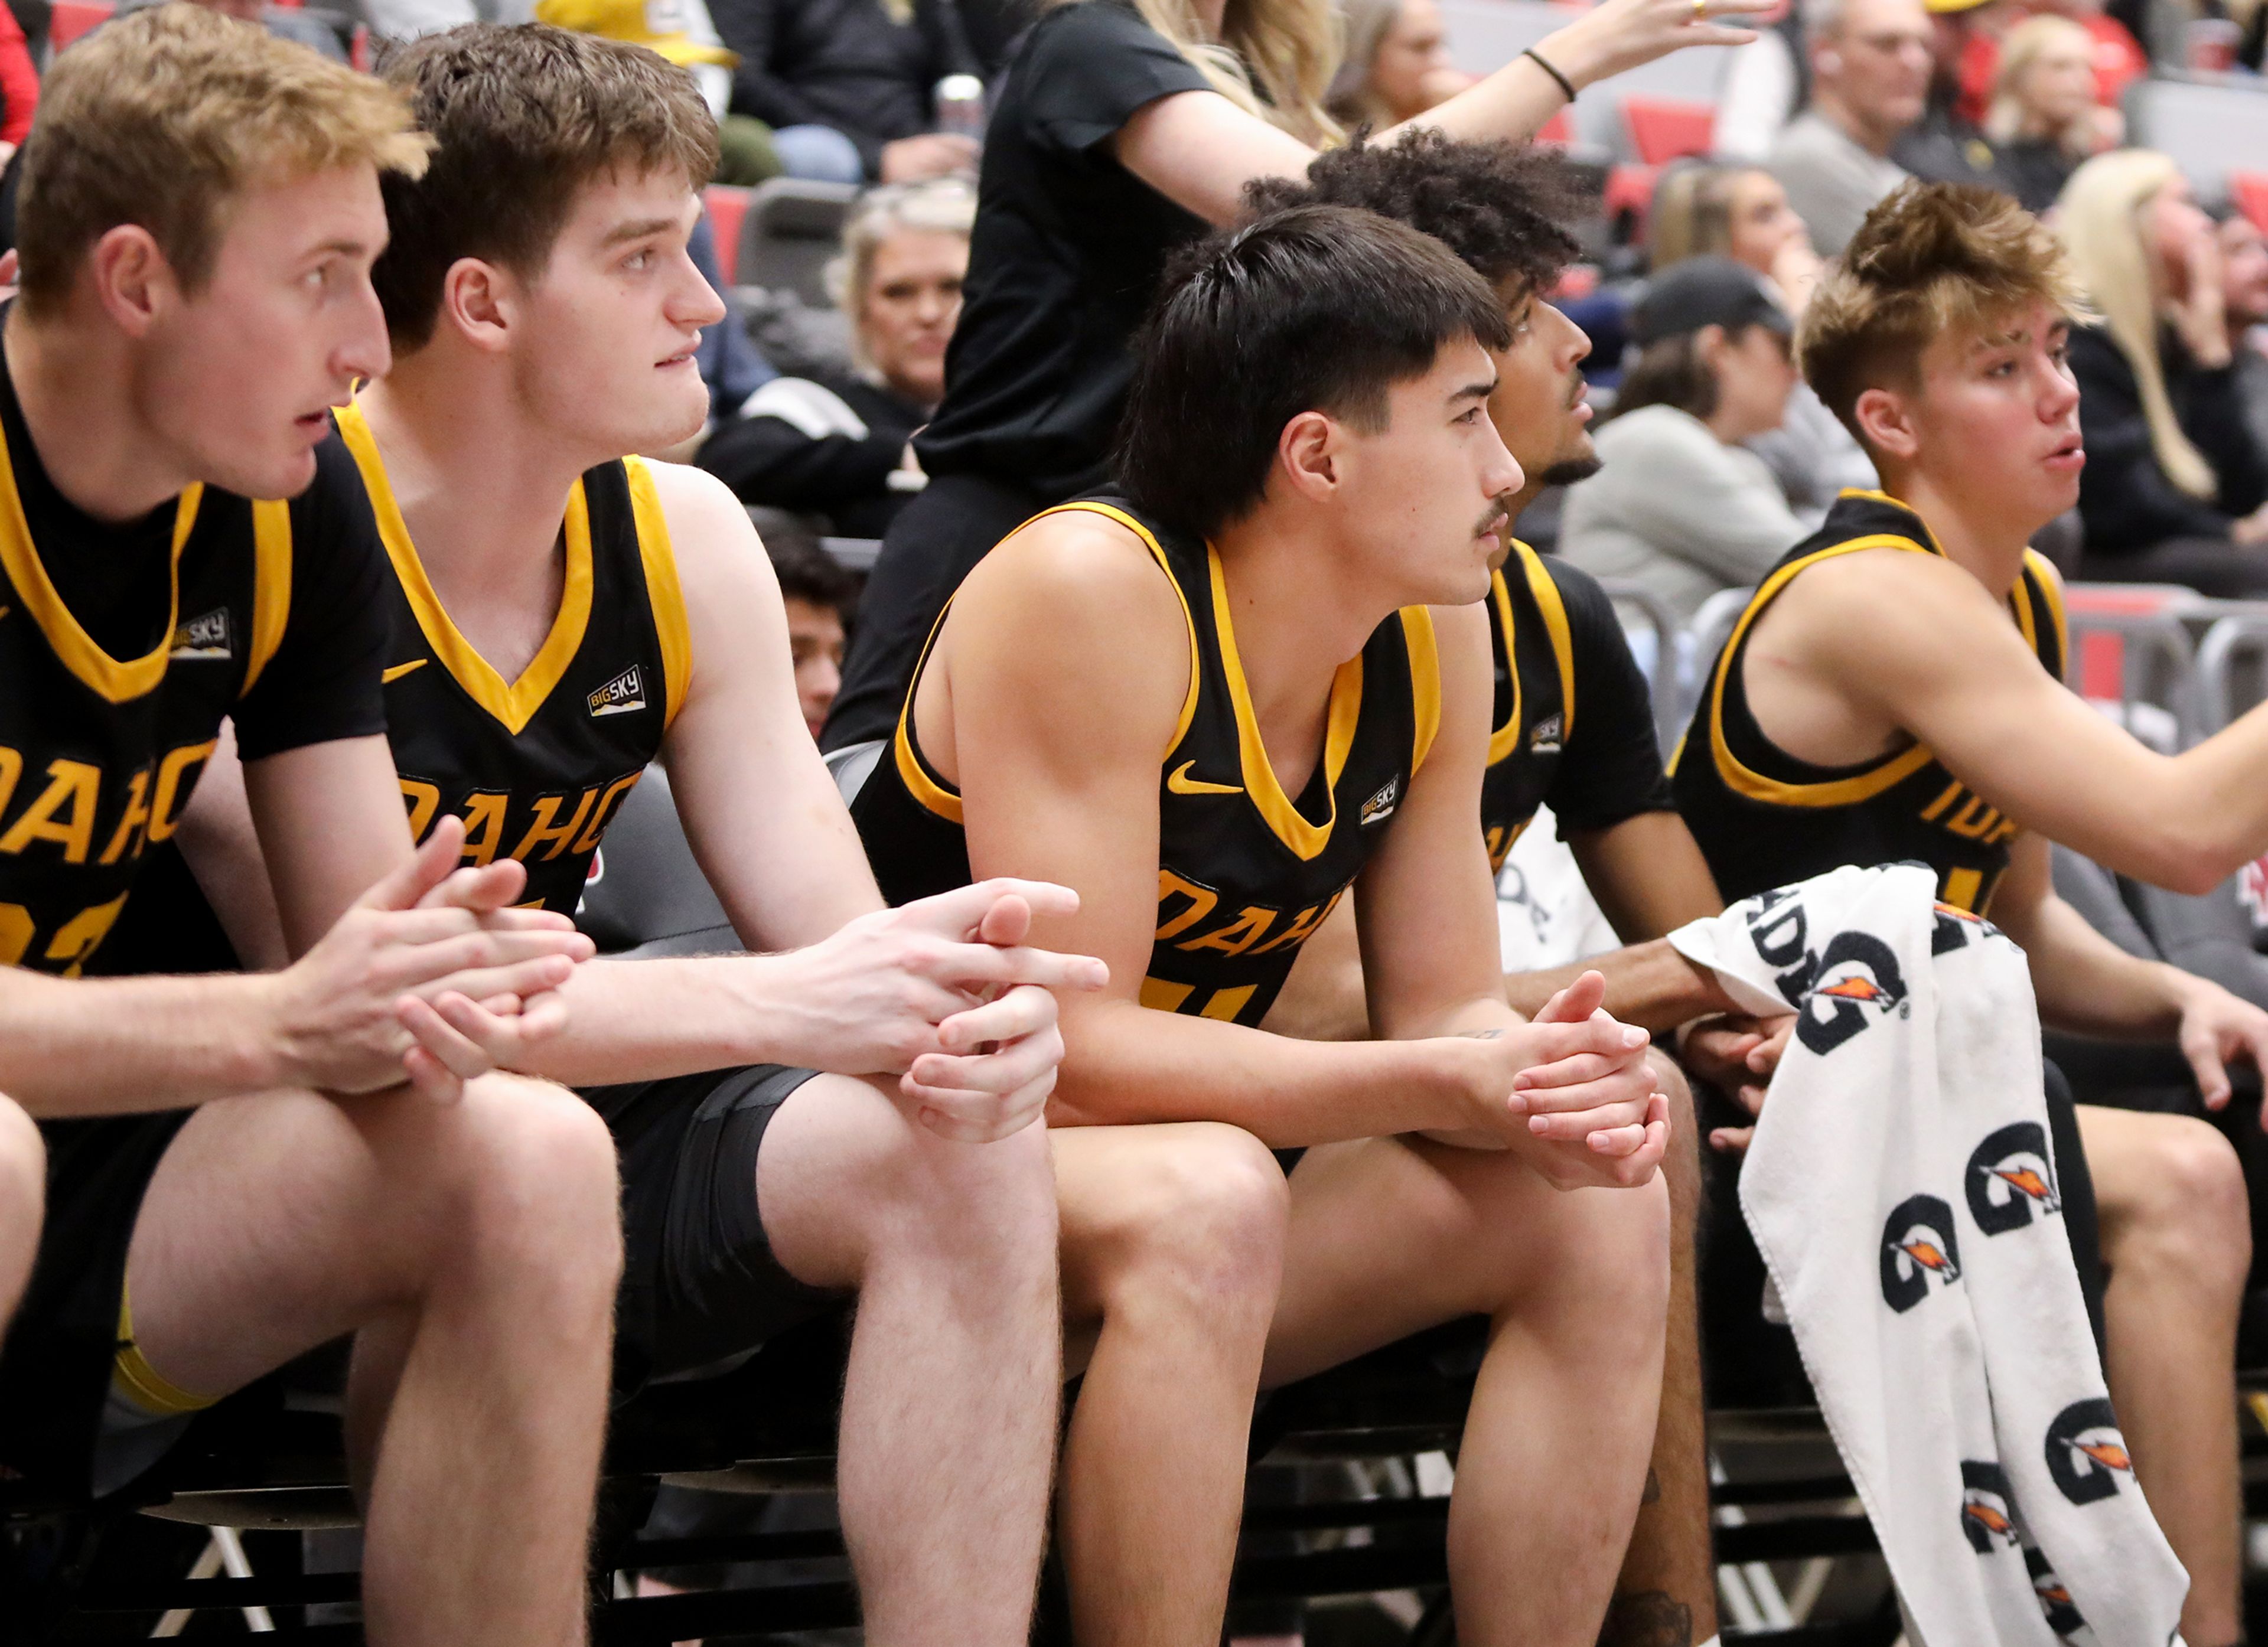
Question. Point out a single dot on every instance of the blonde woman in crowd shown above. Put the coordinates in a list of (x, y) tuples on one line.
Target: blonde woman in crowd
[(2045, 119), (1397, 66), (2175, 484)]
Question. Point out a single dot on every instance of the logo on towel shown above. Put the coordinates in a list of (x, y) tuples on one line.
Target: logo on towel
[(1545, 741), (1836, 993), (206, 636), (1918, 1246), (1985, 1521), (2085, 1453), (621, 695), (2055, 1600), (1381, 805), (2010, 1178)]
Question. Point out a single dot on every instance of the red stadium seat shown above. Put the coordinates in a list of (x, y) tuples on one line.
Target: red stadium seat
[(1662, 130), (1559, 130), (725, 206), (2250, 191), (1630, 189), (71, 19)]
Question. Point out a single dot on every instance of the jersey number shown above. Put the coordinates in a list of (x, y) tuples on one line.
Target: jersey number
[(72, 943)]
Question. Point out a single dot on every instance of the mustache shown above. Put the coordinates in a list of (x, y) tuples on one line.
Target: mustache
[(1500, 514)]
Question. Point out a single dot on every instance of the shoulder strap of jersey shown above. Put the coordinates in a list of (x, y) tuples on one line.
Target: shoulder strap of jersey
[(663, 594), (1546, 591), (1188, 620), (1425, 682), (271, 588), (2049, 582)]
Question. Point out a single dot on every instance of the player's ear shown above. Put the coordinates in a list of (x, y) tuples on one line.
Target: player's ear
[(476, 300), (1308, 451), (1887, 423), (131, 277)]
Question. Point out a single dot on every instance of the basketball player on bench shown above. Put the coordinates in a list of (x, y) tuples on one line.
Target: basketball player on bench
[(237, 1172), (1949, 738), (1210, 707), (562, 615), (1572, 727)]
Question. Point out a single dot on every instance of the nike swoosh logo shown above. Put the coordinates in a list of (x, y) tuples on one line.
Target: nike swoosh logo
[(388, 677), (1181, 783)]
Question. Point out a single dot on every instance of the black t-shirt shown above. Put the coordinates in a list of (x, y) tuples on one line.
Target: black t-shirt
[(1573, 723), (1067, 251)]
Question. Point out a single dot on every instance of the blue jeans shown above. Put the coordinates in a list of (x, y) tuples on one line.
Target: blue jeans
[(819, 153)]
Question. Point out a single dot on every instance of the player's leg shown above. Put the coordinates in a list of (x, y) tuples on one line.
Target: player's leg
[(950, 1405), (1390, 1236), (23, 1192), (1667, 1593), (481, 1238), (2177, 1244), (1172, 1250)]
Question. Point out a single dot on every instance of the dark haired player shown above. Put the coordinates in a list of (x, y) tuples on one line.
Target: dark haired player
[(1210, 707), (237, 1172), (1571, 727), (1939, 339)]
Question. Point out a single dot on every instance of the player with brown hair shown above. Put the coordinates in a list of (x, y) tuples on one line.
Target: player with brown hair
[(1948, 738), (237, 1172)]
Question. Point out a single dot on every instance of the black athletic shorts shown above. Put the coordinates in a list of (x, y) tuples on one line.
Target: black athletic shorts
[(1751, 1361), (55, 1370), (700, 1284)]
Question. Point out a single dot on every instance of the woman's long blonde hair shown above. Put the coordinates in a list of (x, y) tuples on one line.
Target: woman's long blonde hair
[(2098, 216), (1275, 58), (2027, 43), (1692, 212)]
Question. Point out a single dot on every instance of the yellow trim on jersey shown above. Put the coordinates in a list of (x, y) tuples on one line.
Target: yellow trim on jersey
[(1505, 738), (142, 1383), (663, 597), (1844, 792), (1424, 681), (114, 679), (271, 588), (1158, 553), (2051, 582), (514, 705), (1555, 625), (1962, 886), (1306, 839)]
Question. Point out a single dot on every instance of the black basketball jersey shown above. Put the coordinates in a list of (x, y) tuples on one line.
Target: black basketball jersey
[(99, 755), (1244, 873), (1764, 818), (537, 767), (1534, 651)]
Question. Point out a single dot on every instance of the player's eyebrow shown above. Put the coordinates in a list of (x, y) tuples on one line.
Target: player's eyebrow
[(1474, 391), (637, 229)]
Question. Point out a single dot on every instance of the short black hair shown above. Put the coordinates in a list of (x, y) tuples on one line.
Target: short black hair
[(1314, 309), (1503, 207), (805, 571)]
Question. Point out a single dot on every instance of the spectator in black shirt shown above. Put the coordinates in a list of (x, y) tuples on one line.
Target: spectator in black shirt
[(2044, 119), (848, 86), (837, 445), (2175, 484), (1121, 127), (2244, 297)]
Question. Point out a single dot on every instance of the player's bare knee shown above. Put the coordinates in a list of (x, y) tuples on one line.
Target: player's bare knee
[(986, 1203), (23, 1164), (1212, 1221), (539, 1185), (2198, 1200)]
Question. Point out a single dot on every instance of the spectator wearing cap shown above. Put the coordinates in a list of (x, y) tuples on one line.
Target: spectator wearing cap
[(848, 86), (1870, 69), (1678, 506), (839, 445)]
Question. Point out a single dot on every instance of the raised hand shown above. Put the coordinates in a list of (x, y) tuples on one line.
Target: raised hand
[(1619, 35)]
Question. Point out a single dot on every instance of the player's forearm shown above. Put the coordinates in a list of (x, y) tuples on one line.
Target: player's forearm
[(2217, 812), (647, 1020), (105, 1046), (1126, 1064), (1648, 984), (2087, 985)]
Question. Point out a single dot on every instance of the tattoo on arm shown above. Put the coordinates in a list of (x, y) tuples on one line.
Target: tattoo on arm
[(1648, 1619)]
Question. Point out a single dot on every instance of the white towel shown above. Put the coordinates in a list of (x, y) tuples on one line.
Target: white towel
[(1901, 1189)]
